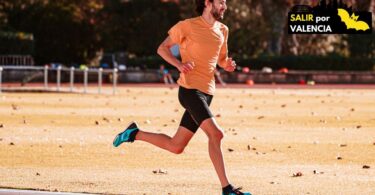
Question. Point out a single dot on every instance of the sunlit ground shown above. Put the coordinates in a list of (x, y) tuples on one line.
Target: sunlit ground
[(63, 142)]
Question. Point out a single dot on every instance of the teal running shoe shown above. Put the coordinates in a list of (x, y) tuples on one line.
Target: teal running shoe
[(236, 191), (128, 135)]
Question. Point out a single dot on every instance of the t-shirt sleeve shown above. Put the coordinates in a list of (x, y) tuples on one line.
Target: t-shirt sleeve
[(179, 32), (223, 56)]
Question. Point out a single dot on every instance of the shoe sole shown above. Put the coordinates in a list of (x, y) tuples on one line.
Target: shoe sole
[(113, 143)]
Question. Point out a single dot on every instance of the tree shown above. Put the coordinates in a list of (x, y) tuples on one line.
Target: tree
[(136, 28), (315, 44), (362, 45), (248, 28), (275, 13), (64, 31)]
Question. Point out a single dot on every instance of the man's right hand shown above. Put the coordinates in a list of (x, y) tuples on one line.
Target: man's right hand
[(186, 67)]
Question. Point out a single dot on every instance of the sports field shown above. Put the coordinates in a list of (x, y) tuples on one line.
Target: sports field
[(63, 142)]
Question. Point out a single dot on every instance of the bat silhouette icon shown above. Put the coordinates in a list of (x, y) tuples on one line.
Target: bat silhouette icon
[(351, 21)]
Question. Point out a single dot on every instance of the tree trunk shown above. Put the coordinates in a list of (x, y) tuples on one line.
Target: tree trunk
[(372, 10), (276, 14)]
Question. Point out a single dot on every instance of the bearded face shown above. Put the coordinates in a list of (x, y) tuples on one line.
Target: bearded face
[(218, 9)]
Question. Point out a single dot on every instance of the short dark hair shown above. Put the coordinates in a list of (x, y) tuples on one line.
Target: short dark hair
[(200, 5)]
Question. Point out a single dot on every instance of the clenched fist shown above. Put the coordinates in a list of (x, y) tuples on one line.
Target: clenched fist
[(186, 67), (231, 65)]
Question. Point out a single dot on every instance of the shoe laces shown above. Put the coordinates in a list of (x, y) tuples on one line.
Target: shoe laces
[(237, 191)]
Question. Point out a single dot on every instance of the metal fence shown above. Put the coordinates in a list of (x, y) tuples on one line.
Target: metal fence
[(18, 60), (57, 72)]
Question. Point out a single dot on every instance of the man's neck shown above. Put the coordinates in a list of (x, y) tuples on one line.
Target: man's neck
[(207, 16)]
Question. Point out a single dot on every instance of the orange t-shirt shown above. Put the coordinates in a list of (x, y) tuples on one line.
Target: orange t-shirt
[(203, 44)]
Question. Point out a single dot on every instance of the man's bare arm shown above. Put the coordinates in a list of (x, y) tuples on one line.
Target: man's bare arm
[(165, 52)]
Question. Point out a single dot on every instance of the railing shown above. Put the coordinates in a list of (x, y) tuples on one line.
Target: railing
[(72, 71), (18, 60)]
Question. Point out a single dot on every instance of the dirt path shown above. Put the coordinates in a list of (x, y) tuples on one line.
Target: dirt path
[(62, 142)]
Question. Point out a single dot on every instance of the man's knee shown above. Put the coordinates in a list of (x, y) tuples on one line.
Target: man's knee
[(177, 149), (216, 135), (212, 129)]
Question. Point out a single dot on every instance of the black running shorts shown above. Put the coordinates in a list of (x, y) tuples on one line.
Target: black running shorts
[(197, 105)]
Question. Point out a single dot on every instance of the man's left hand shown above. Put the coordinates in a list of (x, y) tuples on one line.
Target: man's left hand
[(231, 65)]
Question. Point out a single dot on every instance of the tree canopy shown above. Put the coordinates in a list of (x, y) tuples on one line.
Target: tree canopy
[(73, 31)]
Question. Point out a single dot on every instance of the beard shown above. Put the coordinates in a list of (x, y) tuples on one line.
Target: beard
[(217, 14)]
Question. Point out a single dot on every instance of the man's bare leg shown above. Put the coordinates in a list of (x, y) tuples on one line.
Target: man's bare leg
[(175, 144), (215, 135)]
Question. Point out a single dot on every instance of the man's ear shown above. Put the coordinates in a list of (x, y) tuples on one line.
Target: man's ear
[(208, 4)]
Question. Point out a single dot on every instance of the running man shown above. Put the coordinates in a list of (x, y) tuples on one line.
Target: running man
[(203, 44)]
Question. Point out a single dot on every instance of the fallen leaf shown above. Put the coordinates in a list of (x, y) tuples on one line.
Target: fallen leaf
[(106, 120), (366, 167), (318, 172), (298, 174), (15, 107), (159, 171)]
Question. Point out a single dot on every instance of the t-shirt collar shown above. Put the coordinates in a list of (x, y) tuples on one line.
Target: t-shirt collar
[(207, 24)]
